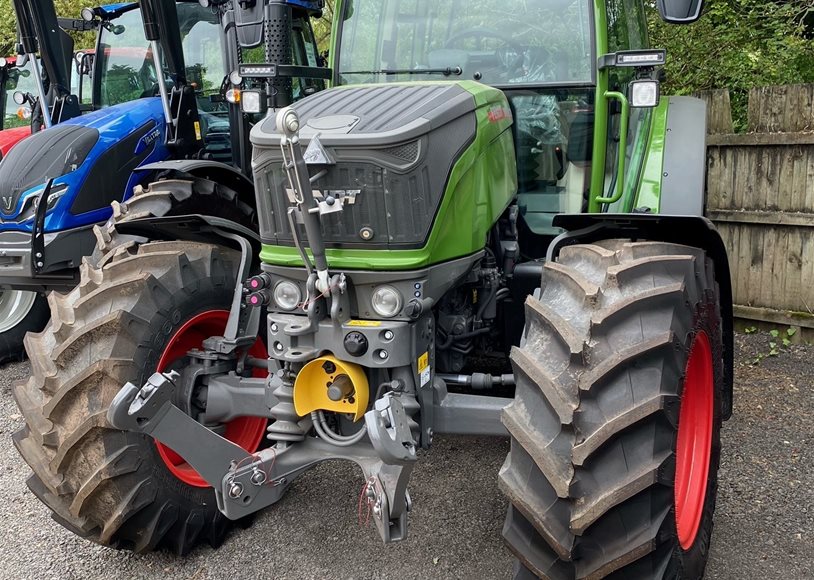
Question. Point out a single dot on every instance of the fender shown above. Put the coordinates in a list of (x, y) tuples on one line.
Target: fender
[(192, 228), (211, 170), (686, 230)]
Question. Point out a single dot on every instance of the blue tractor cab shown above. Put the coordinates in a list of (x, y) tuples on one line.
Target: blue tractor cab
[(159, 107)]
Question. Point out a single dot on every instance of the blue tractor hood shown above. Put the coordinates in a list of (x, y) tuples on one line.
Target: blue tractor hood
[(93, 159)]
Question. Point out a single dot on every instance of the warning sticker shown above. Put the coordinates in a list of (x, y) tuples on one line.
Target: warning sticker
[(364, 323), (423, 361), (425, 376), (198, 136)]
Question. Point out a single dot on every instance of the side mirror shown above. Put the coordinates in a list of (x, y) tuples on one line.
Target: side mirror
[(78, 58), (680, 11)]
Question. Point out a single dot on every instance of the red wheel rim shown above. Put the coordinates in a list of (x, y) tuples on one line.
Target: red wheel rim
[(244, 431), (694, 444)]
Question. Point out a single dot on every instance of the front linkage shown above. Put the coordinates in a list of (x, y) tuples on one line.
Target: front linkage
[(384, 446)]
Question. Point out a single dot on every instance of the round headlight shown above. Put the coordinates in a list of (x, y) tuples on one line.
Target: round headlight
[(19, 97), (235, 78), (87, 14), (386, 301), (287, 295)]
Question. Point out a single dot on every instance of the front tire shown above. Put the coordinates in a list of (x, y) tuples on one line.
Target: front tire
[(119, 325), (616, 420)]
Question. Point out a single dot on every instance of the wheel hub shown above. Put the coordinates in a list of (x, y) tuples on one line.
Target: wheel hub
[(247, 432), (694, 444), (14, 307)]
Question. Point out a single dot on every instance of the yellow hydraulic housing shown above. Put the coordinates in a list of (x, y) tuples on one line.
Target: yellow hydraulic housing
[(329, 384)]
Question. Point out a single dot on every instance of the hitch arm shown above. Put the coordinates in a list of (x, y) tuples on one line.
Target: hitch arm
[(150, 410)]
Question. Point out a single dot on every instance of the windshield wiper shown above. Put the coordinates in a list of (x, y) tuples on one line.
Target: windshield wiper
[(456, 70)]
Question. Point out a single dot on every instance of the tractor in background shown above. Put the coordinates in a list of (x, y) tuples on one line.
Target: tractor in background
[(14, 122), (492, 223), (113, 138)]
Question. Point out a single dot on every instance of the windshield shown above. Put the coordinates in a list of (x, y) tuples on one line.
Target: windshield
[(498, 42), (19, 79), (126, 61)]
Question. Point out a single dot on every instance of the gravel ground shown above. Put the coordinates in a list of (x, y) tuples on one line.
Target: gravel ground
[(764, 525)]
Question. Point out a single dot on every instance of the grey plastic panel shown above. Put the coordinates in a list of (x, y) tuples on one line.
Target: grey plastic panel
[(685, 158), (386, 113), (395, 155)]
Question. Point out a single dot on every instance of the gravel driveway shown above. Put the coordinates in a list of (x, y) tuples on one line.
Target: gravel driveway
[(764, 525)]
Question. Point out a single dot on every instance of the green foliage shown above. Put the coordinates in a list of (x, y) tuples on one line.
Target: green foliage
[(778, 342), (65, 8), (738, 44)]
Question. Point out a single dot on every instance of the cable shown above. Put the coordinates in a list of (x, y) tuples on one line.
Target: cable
[(326, 433)]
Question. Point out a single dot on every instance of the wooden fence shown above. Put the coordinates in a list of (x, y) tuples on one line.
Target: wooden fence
[(760, 194)]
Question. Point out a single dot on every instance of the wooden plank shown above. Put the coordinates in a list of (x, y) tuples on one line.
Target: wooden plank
[(764, 293), (719, 111), (753, 110), (761, 139), (798, 179), (777, 109), (762, 218), (784, 180), (781, 270), (806, 303), (739, 170), (809, 197), (792, 283), (774, 316)]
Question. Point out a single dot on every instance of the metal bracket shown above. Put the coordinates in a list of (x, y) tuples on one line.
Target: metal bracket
[(243, 325), (245, 483)]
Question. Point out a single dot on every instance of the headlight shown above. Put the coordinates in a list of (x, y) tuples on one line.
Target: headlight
[(386, 301), (287, 295)]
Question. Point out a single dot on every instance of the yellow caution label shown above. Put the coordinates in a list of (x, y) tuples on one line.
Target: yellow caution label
[(364, 323), (198, 130), (423, 361)]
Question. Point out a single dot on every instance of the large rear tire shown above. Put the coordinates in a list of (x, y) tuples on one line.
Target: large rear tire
[(120, 324), (616, 420), (20, 312)]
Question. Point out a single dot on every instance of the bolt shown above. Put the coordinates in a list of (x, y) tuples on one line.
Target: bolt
[(377, 509), (274, 327), (235, 489), (278, 346), (329, 367), (39, 254), (388, 335), (383, 354), (258, 477)]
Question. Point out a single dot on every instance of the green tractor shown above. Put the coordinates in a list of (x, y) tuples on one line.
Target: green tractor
[(492, 223)]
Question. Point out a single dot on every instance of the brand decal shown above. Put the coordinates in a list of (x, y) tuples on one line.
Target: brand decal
[(345, 196), (8, 201), (147, 140), (498, 113)]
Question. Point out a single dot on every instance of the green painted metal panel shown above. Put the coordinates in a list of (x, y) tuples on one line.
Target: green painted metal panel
[(481, 185), (649, 194)]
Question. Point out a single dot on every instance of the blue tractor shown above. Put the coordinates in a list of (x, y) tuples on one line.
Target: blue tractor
[(144, 108)]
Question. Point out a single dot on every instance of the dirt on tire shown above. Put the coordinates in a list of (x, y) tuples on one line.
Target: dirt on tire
[(107, 485), (594, 422)]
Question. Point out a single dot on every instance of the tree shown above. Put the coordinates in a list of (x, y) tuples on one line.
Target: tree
[(738, 44)]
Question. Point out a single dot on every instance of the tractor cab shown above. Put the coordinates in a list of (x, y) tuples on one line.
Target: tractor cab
[(543, 55)]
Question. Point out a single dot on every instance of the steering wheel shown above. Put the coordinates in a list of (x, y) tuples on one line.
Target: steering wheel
[(510, 63)]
